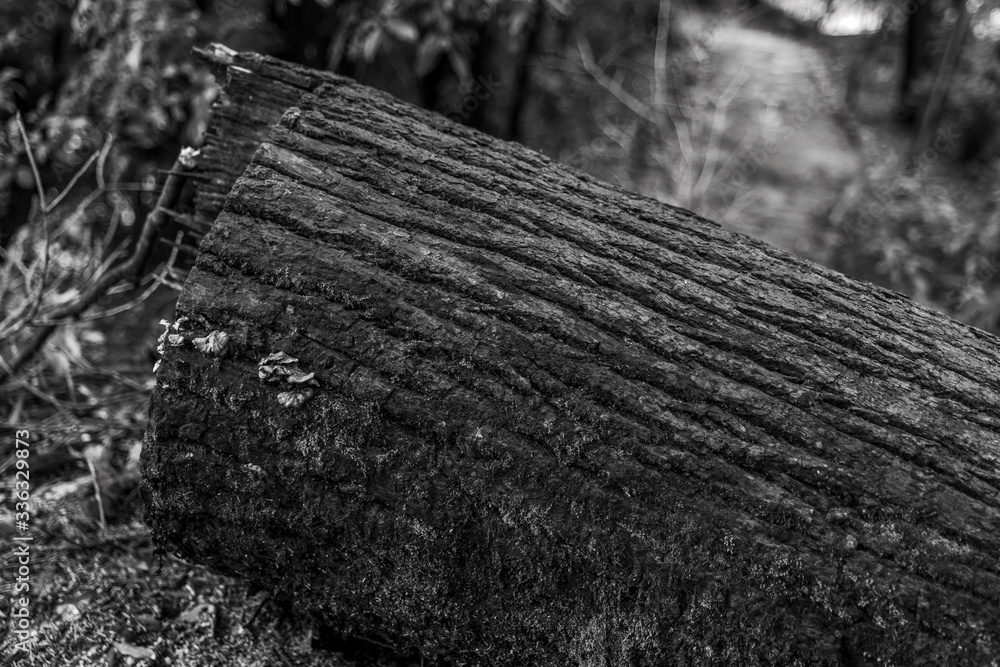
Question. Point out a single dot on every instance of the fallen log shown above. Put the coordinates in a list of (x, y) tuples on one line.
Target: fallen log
[(257, 92), (446, 393)]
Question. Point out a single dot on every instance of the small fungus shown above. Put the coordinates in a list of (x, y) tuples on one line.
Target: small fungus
[(214, 343), (294, 399)]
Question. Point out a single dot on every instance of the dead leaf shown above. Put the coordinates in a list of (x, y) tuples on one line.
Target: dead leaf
[(203, 613), (132, 651)]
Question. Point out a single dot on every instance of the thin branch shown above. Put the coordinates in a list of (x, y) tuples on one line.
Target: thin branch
[(80, 172), (942, 83), (686, 145), (37, 299), (708, 169), (637, 106), (109, 233), (81, 208), (97, 492), (612, 54), (661, 101), (159, 279), (129, 269), (11, 262), (101, 270), (7, 371), (186, 174), (31, 161), (661, 55), (101, 162)]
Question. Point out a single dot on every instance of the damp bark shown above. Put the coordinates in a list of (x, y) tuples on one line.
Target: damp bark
[(554, 422)]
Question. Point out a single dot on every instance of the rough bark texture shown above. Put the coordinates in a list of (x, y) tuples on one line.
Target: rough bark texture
[(257, 91), (562, 424)]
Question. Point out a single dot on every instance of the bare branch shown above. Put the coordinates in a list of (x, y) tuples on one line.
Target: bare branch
[(80, 172), (36, 300), (708, 169), (129, 270), (637, 106)]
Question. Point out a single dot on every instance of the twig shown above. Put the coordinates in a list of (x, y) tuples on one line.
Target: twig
[(109, 233), (129, 269), (31, 160), (104, 267), (38, 393), (37, 299), (708, 169), (942, 83), (80, 172), (15, 412), (81, 208), (665, 120), (10, 259), (159, 280), (375, 642), (281, 654), (103, 542), (186, 174), (183, 219), (600, 76), (612, 54), (101, 161), (29, 307), (661, 54), (97, 492), (15, 320)]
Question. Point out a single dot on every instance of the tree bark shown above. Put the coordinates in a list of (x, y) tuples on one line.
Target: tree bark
[(559, 423), (258, 90)]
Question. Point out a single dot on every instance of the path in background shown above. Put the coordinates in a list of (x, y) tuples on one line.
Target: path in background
[(790, 157)]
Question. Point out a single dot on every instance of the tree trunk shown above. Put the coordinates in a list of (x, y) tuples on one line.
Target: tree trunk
[(942, 83), (257, 92), (522, 72), (557, 423), (916, 61)]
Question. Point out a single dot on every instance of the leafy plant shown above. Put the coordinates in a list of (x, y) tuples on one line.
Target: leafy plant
[(921, 235)]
